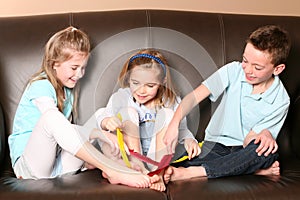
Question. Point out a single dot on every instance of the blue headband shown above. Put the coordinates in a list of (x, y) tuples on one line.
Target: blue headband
[(144, 55)]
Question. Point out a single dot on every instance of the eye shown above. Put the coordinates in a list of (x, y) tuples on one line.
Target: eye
[(134, 82), (151, 85), (74, 68), (257, 67)]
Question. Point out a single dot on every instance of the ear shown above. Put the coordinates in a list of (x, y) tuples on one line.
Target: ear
[(278, 69), (55, 65)]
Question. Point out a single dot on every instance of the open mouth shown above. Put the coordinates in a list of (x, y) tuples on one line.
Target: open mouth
[(250, 78)]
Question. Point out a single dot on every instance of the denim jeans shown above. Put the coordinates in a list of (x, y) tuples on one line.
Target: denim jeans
[(220, 160)]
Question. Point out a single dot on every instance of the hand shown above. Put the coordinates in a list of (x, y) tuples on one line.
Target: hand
[(114, 145), (111, 123), (192, 147), (171, 138), (249, 137), (267, 143)]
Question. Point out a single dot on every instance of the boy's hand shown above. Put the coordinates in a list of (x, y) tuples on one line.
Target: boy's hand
[(249, 137), (192, 148), (267, 143), (111, 123)]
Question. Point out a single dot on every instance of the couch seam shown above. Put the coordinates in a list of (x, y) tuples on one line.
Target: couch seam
[(222, 34), (71, 19), (148, 24)]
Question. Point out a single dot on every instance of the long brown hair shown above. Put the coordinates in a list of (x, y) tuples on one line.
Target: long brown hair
[(57, 50), (166, 95)]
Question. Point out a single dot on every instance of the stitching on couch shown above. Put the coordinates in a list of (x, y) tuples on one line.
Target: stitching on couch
[(71, 19), (223, 43), (148, 24)]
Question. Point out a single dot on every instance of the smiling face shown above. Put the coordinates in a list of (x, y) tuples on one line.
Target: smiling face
[(144, 84), (70, 71), (258, 68)]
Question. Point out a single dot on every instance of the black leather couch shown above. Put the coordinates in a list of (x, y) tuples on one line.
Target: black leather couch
[(195, 43)]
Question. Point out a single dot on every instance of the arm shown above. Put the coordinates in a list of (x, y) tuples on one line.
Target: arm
[(44, 104), (267, 142), (186, 105), (266, 131)]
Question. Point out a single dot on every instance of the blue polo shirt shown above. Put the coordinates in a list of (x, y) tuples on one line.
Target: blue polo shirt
[(27, 114), (239, 111)]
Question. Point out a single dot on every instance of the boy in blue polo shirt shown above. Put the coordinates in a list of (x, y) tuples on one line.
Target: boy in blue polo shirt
[(241, 135)]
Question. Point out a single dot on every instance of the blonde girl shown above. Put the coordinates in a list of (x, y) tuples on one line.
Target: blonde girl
[(146, 101), (44, 143)]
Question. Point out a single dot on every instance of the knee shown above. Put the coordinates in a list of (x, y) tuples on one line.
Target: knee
[(253, 147)]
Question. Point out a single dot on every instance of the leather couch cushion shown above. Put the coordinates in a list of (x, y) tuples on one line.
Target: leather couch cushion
[(295, 118), (2, 136)]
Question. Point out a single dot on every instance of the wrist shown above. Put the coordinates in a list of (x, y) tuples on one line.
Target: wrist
[(103, 124)]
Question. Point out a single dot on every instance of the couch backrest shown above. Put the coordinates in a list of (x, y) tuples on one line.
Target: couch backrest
[(195, 44)]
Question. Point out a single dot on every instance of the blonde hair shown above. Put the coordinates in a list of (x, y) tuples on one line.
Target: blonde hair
[(166, 95), (57, 50)]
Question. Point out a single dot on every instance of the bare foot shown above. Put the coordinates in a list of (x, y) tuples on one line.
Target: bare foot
[(89, 166), (274, 169), (181, 173), (167, 174), (132, 180), (159, 185), (138, 165)]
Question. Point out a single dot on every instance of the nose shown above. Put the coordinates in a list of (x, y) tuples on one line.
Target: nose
[(142, 89), (248, 69), (79, 73)]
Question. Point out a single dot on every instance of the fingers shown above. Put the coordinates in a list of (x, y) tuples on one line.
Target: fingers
[(198, 150), (260, 149), (275, 148), (171, 148), (267, 143), (113, 123), (126, 149), (193, 150), (170, 144), (173, 145), (266, 147)]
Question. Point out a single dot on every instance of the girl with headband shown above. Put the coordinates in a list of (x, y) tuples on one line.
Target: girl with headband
[(142, 108)]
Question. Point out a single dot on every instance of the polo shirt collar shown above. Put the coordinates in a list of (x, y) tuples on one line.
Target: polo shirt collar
[(269, 95)]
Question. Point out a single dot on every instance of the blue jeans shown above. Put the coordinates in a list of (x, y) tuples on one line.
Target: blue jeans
[(220, 160)]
